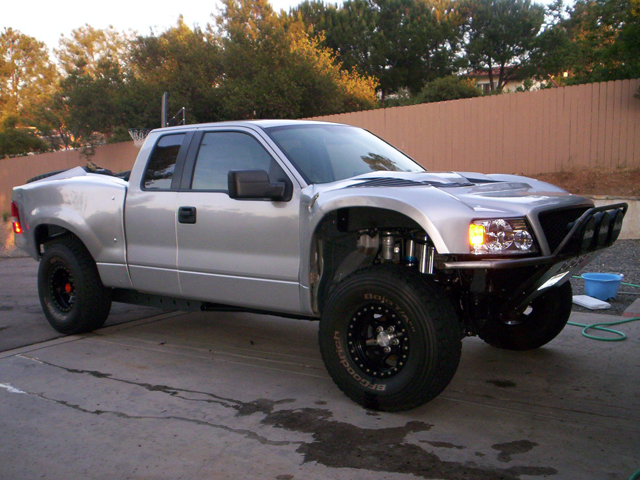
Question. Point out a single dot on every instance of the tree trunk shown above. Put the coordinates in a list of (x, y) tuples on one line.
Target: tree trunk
[(491, 83)]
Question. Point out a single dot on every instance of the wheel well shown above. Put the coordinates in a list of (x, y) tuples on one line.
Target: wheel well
[(349, 239), (47, 232)]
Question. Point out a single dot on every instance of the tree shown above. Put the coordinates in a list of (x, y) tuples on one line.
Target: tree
[(403, 43), (349, 90), (417, 43), (605, 40), (91, 103), (90, 50), (551, 50), (500, 35), (350, 30), (182, 61), (271, 71), (27, 75)]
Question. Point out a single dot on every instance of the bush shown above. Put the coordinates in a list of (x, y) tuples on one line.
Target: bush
[(447, 88), (15, 141)]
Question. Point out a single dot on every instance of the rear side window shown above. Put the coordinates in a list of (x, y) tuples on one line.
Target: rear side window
[(221, 152), (162, 163)]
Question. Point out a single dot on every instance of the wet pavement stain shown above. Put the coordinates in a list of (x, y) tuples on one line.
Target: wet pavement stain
[(513, 448), (335, 444), (342, 445), (242, 408), (5, 308), (502, 383), (443, 445), (261, 405)]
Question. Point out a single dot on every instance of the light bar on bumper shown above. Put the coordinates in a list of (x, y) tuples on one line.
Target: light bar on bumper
[(597, 228), (500, 236)]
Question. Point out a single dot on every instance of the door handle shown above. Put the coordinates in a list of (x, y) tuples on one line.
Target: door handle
[(187, 214)]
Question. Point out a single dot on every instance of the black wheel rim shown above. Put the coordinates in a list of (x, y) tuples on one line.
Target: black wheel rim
[(62, 288), (378, 340)]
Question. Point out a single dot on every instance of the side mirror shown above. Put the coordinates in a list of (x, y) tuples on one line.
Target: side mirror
[(255, 184)]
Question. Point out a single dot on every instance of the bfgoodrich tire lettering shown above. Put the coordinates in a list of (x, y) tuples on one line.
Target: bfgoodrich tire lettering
[(389, 338), (538, 325), (71, 293)]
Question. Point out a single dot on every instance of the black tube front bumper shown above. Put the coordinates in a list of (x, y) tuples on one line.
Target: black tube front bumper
[(597, 228)]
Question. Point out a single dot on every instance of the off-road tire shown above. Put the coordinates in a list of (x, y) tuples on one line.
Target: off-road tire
[(72, 296), (548, 316), (427, 352)]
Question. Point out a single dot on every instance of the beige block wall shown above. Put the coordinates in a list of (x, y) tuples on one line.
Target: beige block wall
[(554, 130), (16, 171)]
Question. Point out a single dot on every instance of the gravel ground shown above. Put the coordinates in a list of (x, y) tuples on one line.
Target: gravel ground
[(623, 257)]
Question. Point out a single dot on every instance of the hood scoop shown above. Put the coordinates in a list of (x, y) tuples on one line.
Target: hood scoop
[(405, 182)]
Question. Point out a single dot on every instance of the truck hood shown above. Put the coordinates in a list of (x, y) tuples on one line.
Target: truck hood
[(506, 194), (459, 184), (444, 203)]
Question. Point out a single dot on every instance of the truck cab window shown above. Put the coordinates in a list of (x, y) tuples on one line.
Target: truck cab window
[(221, 152), (162, 162)]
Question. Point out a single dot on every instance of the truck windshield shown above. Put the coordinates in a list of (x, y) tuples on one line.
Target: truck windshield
[(326, 153)]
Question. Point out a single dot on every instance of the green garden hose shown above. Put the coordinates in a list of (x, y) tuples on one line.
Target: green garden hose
[(603, 328), (635, 476)]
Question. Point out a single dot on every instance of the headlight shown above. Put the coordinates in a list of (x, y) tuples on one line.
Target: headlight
[(500, 236)]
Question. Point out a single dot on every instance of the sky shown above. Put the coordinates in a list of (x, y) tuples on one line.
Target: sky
[(46, 20)]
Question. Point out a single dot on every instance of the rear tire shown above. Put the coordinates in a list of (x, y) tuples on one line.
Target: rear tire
[(72, 296), (548, 316), (389, 338)]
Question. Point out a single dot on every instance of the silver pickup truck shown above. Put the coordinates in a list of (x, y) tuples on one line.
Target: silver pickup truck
[(320, 221)]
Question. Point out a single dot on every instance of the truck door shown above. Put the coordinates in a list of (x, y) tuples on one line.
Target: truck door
[(150, 217), (236, 252)]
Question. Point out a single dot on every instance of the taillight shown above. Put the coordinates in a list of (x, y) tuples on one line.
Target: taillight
[(17, 228)]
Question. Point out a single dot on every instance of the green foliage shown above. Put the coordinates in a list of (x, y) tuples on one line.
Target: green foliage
[(501, 35), (527, 85), (27, 75), (119, 134), (92, 102), (182, 61), (403, 43), (90, 51), (605, 40), (447, 88), (551, 49), (273, 70), (16, 141)]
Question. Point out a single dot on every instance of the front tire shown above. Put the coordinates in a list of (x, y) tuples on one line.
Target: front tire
[(543, 320), (389, 338), (72, 296)]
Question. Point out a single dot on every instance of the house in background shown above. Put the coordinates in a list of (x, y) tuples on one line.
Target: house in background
[(483, 82)]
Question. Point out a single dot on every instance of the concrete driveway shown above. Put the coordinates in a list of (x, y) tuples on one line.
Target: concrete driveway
[(21, 319), (234, 396)]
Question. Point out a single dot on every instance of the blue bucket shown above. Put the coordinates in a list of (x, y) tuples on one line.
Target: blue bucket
[(602, 286)]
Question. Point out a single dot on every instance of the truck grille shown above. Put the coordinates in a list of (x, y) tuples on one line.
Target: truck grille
[(557, 223)]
